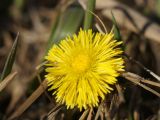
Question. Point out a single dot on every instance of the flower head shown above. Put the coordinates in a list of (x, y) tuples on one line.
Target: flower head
[(82, 68)]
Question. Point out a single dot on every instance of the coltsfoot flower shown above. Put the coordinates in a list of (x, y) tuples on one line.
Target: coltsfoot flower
[(81, 68)]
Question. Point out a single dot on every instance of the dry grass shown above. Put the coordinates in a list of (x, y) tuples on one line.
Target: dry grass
[(137, 93)]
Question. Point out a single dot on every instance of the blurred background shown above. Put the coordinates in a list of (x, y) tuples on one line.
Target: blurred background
[(41, 23)]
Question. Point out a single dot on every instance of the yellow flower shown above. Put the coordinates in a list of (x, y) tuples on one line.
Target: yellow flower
[(81, 68)]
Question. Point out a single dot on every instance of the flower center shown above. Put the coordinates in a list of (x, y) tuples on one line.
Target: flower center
[(80, 63)]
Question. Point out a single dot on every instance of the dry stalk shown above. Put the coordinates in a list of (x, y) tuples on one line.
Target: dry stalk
[(52, 114), (7, 80), (137, 80), (84, 115), (29, 101), (90, 114), (120, 93), (99, 111), (143, 67)]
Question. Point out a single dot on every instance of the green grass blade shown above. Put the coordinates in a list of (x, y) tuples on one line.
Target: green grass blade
[(10, 59), (53, 35), (88, 16), (66, 24), (19, 3), (117, 34), (158, 8), (116, 29)]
